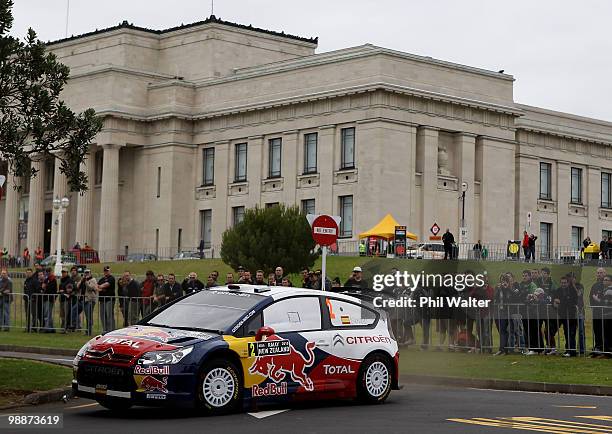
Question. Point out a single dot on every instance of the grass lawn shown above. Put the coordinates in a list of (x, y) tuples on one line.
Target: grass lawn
[(44, 340), (22, 377), (549, 369)]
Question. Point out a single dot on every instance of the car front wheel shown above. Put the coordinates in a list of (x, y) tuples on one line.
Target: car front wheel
[(375, 378), (219, 387)]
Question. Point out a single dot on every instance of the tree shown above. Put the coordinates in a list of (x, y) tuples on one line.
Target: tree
[(35, 123), (268, 237)]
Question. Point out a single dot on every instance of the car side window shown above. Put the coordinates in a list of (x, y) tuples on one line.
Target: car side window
[(345, 314), (293, 314)]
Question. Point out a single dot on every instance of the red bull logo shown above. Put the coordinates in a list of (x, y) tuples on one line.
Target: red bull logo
[(278, 366), (270, 389), (152, 384)]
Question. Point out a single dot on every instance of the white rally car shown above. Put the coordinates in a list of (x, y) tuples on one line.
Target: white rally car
[(231, 347)]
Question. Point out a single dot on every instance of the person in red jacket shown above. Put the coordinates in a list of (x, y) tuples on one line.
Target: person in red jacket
[(525, 245), (146, 289)]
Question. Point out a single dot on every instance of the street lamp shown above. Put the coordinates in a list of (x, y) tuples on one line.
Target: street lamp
[(464, 188), (60, 206)]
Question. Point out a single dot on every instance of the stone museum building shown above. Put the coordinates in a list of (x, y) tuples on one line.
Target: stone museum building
[(205, 120)]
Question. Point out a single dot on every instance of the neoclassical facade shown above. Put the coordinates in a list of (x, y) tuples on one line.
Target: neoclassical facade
[(205, 120)]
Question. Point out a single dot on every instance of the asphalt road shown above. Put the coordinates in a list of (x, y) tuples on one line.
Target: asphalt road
[(418, 409)]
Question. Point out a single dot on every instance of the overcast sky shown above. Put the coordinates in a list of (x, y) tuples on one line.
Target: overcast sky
[(559, 51)]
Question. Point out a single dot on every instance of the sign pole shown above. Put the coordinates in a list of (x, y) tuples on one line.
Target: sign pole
[(323, 267)]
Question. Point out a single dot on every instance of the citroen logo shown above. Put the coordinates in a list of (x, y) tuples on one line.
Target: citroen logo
[(338, 340)]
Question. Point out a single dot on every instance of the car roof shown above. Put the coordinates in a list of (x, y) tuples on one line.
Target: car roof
[(280, 292)]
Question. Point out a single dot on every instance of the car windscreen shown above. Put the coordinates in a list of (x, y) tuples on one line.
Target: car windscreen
[(207, 310)]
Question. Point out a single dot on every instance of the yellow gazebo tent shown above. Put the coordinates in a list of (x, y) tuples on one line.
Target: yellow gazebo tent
[(385, 229)]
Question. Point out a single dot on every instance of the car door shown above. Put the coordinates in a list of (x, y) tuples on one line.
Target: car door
[(351, 326), (287, 357)]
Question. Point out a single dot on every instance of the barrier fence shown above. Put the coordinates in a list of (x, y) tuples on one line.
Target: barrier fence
[(526, 328), (530, 328)]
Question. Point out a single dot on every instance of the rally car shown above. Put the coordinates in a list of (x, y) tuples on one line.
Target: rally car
[(239, 346)]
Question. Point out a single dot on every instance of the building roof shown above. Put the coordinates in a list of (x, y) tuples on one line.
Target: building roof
[(210, 20)]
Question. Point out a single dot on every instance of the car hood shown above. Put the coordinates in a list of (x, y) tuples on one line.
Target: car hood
[(128, 343)]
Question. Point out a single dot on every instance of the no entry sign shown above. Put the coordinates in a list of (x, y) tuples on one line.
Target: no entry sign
[(324, 230)]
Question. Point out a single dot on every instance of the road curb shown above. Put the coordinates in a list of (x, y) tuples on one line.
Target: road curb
[(38, 398), (526, 386), (38, 350)]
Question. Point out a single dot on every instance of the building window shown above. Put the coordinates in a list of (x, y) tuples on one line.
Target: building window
[(545, 240), (240, 172), (308, 206), (346, 214), (208, 166), (274, 158), (157, 242), (606, 190), (179, 241), (606, 234), (576, 237), (237, 215), (206, 227), (98, 165), (310, 153), (347, 145), (576, 186), (158, 181), (49, 174), (271, 204), (545, 181)]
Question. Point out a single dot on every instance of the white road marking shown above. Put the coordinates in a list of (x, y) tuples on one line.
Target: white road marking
[(267, 413), (82, 406), (545, 393)]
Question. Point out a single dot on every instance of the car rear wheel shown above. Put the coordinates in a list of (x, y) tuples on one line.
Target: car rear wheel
[(375, 378), (219, 387), (117, 405)]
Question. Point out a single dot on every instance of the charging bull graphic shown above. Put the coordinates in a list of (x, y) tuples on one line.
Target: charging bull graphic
[(152, 384), (278, 366)]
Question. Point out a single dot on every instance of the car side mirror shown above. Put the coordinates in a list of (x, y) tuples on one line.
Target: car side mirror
[(264, 331)]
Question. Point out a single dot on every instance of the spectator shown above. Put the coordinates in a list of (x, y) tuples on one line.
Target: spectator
[(356, 279), (567, 304), (259, 278), (38, 255), (278, 275), (38, 300), (525, 246), (71, 307), (306, 278), (596, 302), (89, 289), (240, 272), (215, 274), (530, 320), (64, 280), (607, 317), (286, 282), (516, 300), (579, 288), (106, 287), (133, 293), (6, 298), (26, 257), (29, 289), (159, 292), (246, 278), (229, 278), (76, 278), (146, 292), (211, 282), (192, 284), (532, 247), (50, 293), (603, 248), (548, 318), (271, 279), (316, 282), (477, 250), (172, 289), (448, 240), (336, 282)]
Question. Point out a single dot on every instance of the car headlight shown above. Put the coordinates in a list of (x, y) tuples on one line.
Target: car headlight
[(164, 357), (81, 353)]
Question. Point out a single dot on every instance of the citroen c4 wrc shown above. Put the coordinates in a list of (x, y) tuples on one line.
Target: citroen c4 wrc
[(235, 347)]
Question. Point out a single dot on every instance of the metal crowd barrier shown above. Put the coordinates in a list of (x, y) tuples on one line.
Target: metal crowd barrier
[(52, 313), (529, 328)]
